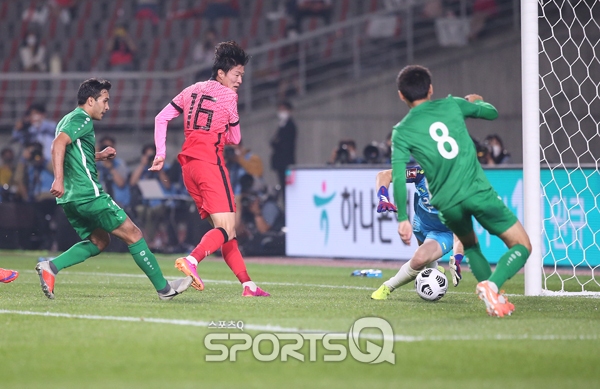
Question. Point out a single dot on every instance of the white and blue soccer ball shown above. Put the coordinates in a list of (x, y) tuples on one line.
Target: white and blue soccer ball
[(431, 284)]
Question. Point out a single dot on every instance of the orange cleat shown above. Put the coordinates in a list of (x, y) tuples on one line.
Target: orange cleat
[(189, 269), (47, 278), (496, 303)]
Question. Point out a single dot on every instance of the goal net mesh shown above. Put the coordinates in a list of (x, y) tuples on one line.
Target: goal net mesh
[(569, 74)]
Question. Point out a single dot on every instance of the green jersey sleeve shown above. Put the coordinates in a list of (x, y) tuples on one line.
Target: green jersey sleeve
[(400, 157), (478, 109), (78, 126)]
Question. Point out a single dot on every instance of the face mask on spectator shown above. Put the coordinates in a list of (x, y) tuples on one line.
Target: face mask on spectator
[(496, 150), (283, 115)]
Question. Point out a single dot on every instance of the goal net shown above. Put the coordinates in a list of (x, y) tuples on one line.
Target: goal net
[(568, 81)]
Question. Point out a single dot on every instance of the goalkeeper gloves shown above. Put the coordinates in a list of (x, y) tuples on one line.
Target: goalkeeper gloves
[(384, 201)]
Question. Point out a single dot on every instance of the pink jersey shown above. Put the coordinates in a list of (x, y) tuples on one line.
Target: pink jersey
[(211, 121)]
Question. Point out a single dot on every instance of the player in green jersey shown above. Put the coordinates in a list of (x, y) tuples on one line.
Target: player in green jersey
[(434, 133), (91, 211)]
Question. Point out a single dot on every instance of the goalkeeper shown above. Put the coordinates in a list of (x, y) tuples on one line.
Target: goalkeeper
[(434, 238)]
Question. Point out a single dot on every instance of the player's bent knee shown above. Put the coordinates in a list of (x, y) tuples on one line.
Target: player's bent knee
[(100, 240), (228, 233), (128, 232)]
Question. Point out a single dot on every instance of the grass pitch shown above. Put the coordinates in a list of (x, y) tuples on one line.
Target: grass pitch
[(107, 328)]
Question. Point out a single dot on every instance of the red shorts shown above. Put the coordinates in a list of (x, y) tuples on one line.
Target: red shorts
[(209, 186)]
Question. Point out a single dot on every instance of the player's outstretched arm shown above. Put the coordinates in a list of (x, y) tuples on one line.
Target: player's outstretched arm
[(473, 106), (383, 181), (59, 146), (168, 113)]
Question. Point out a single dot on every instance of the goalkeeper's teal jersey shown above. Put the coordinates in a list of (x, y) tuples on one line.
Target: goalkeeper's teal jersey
[(434, 133), (80, 173)]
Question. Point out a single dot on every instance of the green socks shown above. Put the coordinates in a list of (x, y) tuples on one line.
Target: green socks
[(480, 267), (76, 254), (509, 264), (144, 258)]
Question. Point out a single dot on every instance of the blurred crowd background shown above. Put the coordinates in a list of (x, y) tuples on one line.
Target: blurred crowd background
[(151, 49)]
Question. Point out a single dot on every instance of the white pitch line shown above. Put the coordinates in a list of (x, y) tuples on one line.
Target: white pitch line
[(236, 282), (276, 328)]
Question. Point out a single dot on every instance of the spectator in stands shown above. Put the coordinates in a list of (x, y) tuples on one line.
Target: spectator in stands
[(37, 14), (33, 54), (240, 161), (20, 132), (387, 149), (432, 9), (184, 227), (35, 127), (65, 10), (121, 50), (482, 11), (152, 213), (454, 7), (34, 176), (259, 221), (211, 10), (299, 9), (204, 54), (7, 167), (34, 173), (345, 153), (7, 175), (493, 152), (148, 9), (283, 143), (114, 174)]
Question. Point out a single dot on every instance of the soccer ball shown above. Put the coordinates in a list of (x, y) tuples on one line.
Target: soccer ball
[(431, 284)]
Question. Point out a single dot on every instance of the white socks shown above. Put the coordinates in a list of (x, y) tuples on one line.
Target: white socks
[(250, 284), (405, 275), (192, 260)]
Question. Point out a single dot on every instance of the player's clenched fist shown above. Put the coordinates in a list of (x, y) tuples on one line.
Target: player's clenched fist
[(405, 231), (57, 189)]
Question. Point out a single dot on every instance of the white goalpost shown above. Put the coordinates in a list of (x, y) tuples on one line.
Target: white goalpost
[(560, 51)]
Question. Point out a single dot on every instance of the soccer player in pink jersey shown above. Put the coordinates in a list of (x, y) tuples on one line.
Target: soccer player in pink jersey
[(211, 121)]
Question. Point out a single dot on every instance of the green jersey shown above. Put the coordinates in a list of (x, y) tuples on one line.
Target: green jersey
[(434, 133), (80, 173)]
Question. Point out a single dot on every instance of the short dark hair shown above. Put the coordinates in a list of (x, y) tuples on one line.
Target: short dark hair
[(413, 82), (287, 105), (7, 150), (91, 88), (148, 146), (108, 138), (39, 107), (227, 56)]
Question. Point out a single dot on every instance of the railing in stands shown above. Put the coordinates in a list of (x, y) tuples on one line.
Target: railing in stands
[(319, 58)]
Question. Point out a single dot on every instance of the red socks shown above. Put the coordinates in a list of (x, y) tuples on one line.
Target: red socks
[(216, 238), (210, 242), (233, 259)]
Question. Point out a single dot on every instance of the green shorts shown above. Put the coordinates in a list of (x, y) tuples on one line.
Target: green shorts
[(101, 212), (486, 206)]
